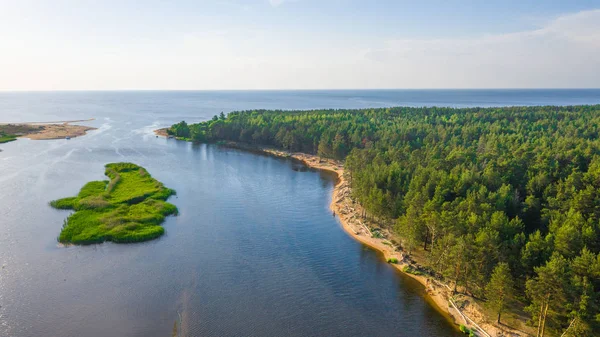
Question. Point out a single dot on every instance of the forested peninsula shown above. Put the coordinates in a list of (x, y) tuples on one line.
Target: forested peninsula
[(128, 208), (502, 204)]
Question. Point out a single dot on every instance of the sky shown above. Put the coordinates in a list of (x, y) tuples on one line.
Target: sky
[(298, 44)]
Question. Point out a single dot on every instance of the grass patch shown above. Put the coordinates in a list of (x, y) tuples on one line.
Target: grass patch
[(7, 138), (393, 260), (130, 207), (410, 270)]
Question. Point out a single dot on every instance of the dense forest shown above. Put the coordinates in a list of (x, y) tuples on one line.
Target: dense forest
[(505, 202)]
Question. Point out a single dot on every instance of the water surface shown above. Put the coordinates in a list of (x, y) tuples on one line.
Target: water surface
[(254, 252)]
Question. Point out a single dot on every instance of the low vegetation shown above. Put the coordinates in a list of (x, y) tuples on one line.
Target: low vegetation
[(467, 331), (130, 207), (5, 138), (12, 131), (410, 270)]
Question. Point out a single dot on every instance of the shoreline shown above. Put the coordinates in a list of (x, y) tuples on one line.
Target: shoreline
[(347, 211), (437, 294), (161, 132), (47, 130)]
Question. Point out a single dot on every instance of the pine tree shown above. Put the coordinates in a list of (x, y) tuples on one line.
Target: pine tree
[(500, 289)]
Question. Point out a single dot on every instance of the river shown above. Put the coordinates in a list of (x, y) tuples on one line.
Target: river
[(255, 250)]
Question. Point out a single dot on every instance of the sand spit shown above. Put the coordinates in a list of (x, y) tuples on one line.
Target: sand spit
[(46, 130)]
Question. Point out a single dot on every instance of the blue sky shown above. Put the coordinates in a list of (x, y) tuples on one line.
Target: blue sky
[(298, 44)]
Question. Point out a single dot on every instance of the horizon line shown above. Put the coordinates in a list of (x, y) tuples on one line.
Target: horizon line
[(283, 90)]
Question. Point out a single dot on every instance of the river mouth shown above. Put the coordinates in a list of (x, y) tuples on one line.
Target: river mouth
[(255, 250)]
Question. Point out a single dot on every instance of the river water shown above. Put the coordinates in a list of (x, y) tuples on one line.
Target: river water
[(255, 250)]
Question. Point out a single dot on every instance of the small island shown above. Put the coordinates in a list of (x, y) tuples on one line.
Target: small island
[(130, 207)]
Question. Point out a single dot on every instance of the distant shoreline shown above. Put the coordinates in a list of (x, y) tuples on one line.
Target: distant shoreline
[(161, 132), (46, 130)]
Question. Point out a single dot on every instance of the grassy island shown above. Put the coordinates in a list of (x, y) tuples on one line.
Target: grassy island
[(129, 207)]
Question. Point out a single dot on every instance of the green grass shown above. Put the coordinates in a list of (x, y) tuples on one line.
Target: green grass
[(130, 207), (7, 138), (393, 260)]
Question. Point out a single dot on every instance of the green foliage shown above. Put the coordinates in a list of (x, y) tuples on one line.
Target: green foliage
[(500, 289), (393, 260), (128, 208), (464, 329), (5, 138), (474, 187), (410, 270)]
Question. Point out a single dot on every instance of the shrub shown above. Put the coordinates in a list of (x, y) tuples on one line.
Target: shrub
[(467, 331), (392, 260), (410, 270)]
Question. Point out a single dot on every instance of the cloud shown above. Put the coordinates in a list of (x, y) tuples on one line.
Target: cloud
[(562, 53)]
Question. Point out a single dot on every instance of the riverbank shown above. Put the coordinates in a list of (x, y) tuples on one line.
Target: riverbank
[(458, 308), (46, 130), (349, 214)]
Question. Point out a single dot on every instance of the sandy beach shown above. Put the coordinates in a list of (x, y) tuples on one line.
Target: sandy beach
[(46, 130), (161, 132)]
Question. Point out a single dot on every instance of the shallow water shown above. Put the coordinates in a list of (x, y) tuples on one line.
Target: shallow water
[(255, 250)]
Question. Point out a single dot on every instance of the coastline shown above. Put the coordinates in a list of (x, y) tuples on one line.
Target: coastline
[(349, 212), (47, 130)]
